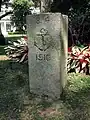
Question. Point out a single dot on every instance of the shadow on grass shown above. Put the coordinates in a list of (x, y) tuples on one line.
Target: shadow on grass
[(13, 89), (2, 51), (16, 102)]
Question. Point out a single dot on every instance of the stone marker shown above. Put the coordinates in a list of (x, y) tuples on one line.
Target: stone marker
[(47, 42)]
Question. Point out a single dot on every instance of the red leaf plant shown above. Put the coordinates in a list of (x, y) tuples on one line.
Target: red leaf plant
[(79, 59)]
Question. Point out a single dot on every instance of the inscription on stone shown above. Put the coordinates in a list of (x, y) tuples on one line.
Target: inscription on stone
[(42, 34), (46, 19), (47, 34), (45, 57), (44, 46), (38, 20)]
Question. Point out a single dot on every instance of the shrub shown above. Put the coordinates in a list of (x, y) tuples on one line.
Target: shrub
[(79, 59), (18, 50)]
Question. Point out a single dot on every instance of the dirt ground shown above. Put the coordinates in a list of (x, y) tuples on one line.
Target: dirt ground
[(3, 57)]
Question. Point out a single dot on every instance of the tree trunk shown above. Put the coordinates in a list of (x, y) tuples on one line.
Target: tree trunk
[(61, 6), (2, 38), (45, 5)]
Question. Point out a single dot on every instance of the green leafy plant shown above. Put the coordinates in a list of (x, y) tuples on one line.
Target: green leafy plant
[(21, 8), (18, 50)]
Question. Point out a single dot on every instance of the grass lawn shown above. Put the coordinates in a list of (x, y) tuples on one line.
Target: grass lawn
[(16, 103), (2, 51), (14, 37)]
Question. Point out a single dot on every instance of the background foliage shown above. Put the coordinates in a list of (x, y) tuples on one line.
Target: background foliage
[(79, 17), (20, 9)]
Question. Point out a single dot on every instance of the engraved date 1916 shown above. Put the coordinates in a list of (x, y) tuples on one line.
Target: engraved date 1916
[(45, 57)]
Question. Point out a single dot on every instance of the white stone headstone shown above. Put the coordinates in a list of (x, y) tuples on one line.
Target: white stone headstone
[(47, 43)]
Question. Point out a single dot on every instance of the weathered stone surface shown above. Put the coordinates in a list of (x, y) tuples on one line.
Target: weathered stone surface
[(47, 38)]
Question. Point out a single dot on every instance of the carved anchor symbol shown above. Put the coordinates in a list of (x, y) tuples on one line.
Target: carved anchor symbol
[(42, 34)]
